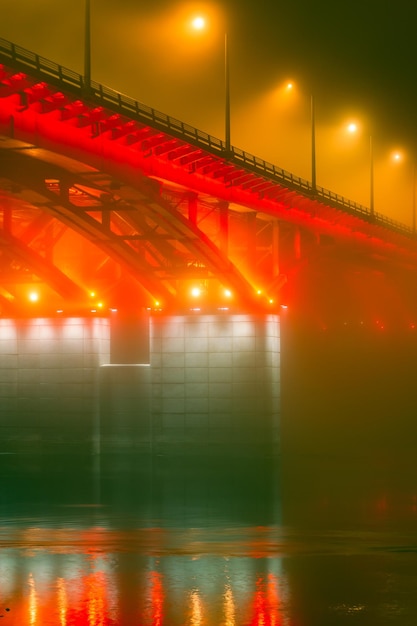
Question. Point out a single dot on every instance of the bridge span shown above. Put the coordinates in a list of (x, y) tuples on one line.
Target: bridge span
[(144, 267)]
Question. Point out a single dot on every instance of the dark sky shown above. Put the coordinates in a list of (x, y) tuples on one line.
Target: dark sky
[(357, 57)]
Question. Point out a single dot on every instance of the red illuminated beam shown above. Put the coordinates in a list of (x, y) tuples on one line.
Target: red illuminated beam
[(13, 248), (26, 171)]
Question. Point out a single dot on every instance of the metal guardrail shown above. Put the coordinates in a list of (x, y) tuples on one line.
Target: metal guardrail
[(67, 79)]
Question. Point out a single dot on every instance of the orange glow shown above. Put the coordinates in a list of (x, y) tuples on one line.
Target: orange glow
[(198, 23), (157, 599), (196, 617), (33, 601), (62, 601), (96, 598), (34, 296), (266, 603), (196, 292), (229, 607), (63, 134)]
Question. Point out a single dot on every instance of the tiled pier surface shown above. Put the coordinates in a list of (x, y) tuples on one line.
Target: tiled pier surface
[(197, 382)]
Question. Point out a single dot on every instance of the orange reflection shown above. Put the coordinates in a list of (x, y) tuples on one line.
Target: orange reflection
[(87, 591), (96, 599), (62, 601), (266, 603), (157, 599), (33, 603), (229, 607), (196, 618)]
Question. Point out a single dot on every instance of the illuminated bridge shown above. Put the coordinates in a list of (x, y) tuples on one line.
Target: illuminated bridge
[(132, 241)]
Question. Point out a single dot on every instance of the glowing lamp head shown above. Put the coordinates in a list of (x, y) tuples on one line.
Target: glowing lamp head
[(198, 23), (196, 292), (352, 127), (33, 296), (227, 293)]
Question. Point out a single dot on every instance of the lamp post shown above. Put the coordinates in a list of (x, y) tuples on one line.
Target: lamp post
[(227, 94), (414, 197), (398, 156), (87, 46), (313, 145), (352, 128), (199, 23), (289, 87), (371, 180)]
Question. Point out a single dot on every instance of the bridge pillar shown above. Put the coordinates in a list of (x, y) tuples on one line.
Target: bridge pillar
[(208, 383), (48, 381), (216, 383)]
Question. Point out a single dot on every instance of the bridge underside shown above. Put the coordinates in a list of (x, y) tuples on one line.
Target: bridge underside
[(99, 212)]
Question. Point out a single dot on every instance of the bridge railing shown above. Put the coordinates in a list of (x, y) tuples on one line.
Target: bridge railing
[(131, 107), (114, 100)]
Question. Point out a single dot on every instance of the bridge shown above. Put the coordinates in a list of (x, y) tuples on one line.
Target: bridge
[(111, 209)]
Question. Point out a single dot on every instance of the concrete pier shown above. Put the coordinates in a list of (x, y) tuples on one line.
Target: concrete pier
[(209, 382)]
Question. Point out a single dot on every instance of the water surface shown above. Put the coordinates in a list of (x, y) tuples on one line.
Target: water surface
[(127, 539)]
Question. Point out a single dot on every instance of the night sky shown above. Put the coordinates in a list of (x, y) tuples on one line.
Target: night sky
[(358, 58)]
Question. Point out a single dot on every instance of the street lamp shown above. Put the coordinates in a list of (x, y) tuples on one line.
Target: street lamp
[(199, 23), (87, 46), (227, 94), (313, 138), (353, 128), (414, 197), (313, 145), (398, 157)]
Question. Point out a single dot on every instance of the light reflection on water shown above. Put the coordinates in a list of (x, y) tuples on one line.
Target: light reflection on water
[(133, 540)]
